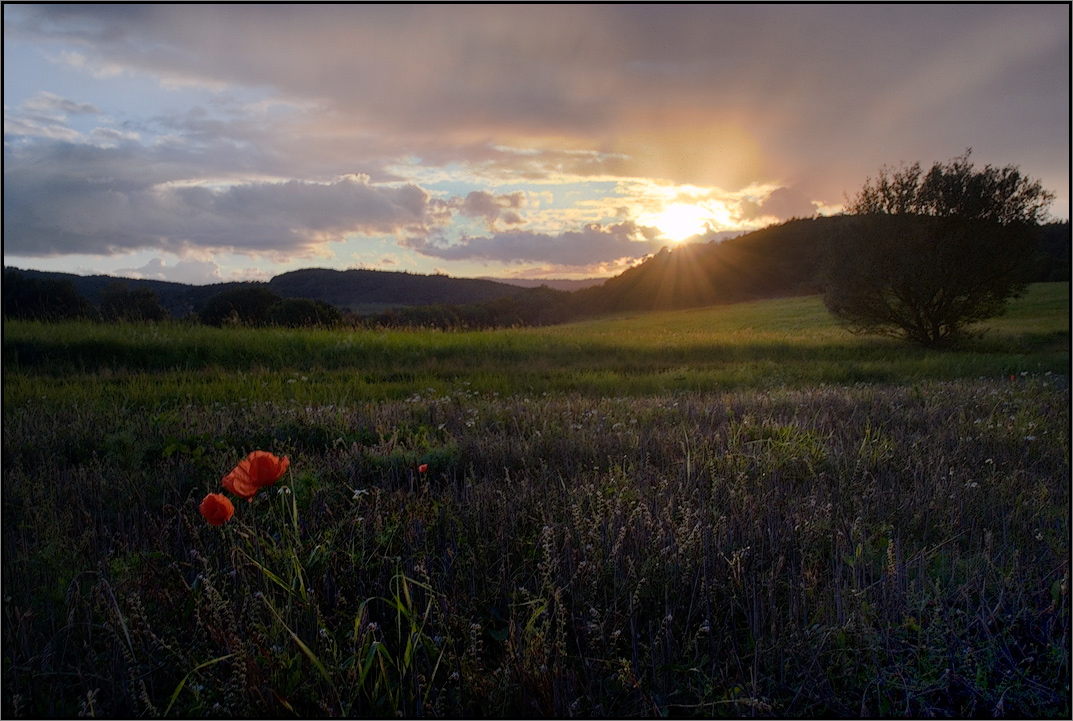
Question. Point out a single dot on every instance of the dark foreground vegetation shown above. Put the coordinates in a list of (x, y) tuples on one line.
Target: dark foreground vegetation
[(702, 514)]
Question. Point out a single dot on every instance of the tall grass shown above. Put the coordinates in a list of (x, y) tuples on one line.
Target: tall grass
[(620, 536)]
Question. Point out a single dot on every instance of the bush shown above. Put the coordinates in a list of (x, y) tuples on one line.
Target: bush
[(119, 302), (42, 299), (246, 306), (298, 312)]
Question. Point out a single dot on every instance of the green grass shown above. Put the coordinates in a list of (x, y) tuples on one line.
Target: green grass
[(722, 512), (764, 344)]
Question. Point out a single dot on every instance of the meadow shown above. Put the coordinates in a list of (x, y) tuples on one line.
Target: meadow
[(731, 511)]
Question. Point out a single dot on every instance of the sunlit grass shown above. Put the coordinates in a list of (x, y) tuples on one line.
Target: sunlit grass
[(763, 344)]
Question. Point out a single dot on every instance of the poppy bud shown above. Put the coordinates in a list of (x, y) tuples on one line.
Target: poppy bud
[(217, 509)]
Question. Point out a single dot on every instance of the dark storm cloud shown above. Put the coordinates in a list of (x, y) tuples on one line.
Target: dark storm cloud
[(592, 245)]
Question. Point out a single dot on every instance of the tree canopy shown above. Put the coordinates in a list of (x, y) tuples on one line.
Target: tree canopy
[(955, 190), (928, 255)]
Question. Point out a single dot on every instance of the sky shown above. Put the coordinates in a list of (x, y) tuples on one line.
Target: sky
[(210, 143)]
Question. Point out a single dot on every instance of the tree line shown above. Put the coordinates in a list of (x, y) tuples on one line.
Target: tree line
[(51, 299)]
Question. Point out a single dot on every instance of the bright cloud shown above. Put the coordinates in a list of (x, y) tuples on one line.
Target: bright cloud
[(592, 245), (192, 271)]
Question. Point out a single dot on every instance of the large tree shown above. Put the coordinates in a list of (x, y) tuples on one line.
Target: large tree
[(928, 255)]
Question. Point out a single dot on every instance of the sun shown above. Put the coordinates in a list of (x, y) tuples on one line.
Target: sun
[(681, 220)]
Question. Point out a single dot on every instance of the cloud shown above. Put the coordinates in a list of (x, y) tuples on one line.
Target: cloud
[(592, 245), (25, 126), (44, 115), (46, 103), (110, 137), (482, 204), (710, 95), (782, 203), (63, 198), (191, 272)]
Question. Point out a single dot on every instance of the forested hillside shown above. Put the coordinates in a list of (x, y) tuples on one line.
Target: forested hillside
[(351, 289)]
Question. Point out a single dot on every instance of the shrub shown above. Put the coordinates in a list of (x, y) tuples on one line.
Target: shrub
[(247, 306), (298, 312)]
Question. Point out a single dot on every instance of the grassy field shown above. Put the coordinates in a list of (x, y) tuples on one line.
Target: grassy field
[(722, 512), (767, 344)]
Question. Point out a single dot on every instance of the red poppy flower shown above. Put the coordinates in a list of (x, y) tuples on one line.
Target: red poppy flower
[(255, 471), (422, 468), (217, 509)]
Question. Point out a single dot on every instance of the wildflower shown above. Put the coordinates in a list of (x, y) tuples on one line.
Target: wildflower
[(422, 468), (217, 509), (257, 470)]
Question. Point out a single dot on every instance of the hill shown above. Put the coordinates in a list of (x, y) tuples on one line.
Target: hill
[(361, 290), (780, 260), (179, 299), (777, 261), (352, 289), (553, 283)]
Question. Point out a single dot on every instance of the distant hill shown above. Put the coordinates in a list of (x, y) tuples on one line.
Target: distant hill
[(361, 290), (352, 289), (553, 283), (179, 299)]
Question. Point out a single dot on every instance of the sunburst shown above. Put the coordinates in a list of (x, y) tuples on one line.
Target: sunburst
[(680, 221)]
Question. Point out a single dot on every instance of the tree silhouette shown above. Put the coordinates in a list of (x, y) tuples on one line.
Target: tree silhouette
[(298, 312), (927, 255)]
